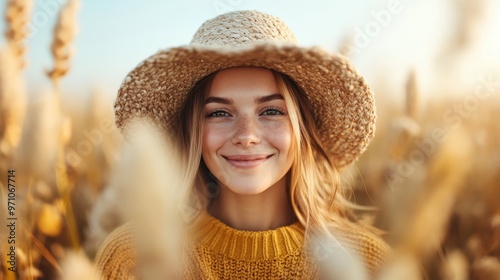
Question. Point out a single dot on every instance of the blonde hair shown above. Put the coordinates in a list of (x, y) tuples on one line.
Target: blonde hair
[(314, 189)]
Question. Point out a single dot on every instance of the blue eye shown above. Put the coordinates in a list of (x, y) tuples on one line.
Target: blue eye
[(217, 114)]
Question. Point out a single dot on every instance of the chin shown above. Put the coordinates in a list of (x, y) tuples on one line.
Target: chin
[(247, 189)]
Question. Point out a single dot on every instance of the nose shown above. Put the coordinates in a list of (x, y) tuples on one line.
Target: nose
[(246, 132)]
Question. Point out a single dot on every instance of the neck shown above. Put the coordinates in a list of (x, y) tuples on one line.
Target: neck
[(256, 212)]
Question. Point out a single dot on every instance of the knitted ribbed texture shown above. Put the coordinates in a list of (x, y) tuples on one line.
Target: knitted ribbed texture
[(221, 252), (116, 257), (373, 250)]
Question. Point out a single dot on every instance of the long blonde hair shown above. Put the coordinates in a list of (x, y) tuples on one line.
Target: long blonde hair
[(314, 190)]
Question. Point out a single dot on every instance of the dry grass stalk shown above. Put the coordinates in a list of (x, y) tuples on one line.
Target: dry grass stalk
[(17, 15), (44, 252), (13, 103), (99, 128), (146, 181), (405, 129), (64, 34), (412, 97), (12, 92), (39, 143), (426, 226), (447, 173), (35, 156)]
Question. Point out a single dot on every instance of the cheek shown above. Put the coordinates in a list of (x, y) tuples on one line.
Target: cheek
[(280, 136), (212, 139)]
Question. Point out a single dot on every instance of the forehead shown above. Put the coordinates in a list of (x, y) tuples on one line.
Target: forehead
[(243, 81)]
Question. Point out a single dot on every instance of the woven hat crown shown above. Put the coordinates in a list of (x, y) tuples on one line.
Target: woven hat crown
[(242, 28)]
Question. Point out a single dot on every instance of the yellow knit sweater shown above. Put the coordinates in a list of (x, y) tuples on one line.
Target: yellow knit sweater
[(222, 252)]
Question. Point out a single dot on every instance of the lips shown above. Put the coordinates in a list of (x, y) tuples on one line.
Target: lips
[(246, 161)]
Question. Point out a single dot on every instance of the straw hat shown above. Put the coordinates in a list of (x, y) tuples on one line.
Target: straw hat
[(341, 101)]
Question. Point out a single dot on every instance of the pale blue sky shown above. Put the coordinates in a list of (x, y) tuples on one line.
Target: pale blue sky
[(114, 36)]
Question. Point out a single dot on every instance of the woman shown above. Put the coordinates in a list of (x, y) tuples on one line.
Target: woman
[(265, 125)]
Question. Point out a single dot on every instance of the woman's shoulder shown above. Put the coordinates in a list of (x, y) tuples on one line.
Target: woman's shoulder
[(116, 257)]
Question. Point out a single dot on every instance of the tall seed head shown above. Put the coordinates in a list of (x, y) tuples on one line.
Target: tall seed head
[(64, 34), (17, 14)]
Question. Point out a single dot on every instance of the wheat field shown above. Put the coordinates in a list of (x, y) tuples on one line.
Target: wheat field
[(432, 171)]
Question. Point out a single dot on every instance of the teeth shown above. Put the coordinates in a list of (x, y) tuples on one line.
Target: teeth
[(247, 159)]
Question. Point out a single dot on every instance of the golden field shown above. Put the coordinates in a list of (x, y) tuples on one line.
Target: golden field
[(430, 176)]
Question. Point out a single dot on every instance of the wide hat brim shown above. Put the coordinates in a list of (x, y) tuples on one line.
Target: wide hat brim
[(341, 101)]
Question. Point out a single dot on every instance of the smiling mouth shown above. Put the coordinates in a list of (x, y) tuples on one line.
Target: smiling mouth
[(246, 161)]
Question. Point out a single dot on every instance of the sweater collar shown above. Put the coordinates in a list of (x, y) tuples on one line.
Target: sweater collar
[(214, 235)]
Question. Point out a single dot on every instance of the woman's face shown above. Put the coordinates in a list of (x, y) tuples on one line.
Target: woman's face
[(247, 133)]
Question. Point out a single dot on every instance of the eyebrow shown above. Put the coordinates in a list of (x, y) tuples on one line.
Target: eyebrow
[(218, 100), (258, 100), (267, 98)]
